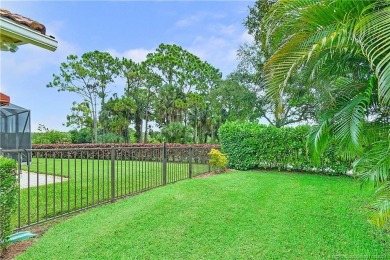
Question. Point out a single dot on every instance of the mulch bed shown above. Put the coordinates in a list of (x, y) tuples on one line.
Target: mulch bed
[(17, 248), (211, 174)]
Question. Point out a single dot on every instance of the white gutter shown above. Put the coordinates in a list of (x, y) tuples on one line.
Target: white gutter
[(26, 35)]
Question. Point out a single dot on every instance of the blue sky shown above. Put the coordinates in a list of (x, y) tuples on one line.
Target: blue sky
[(212, 30)]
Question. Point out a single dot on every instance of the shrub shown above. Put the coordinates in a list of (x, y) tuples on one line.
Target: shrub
[(81, 136), (51, 137), (8, 199), (110, 138), (250, 145), (240, 142), (176, 133), (218, 160), (151, 152)]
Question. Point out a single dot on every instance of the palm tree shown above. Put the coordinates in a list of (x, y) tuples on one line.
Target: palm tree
[(343, 47)]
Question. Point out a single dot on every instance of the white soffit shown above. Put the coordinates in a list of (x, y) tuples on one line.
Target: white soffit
[(21, 35)]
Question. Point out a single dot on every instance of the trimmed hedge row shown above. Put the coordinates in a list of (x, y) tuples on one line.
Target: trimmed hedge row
[(145, 152), (8, 199), (250, 146), (109, 145)]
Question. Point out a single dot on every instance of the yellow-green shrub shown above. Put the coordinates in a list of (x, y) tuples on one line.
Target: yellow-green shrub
[(218, 161)]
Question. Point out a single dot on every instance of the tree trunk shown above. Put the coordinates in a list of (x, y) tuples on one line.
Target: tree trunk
[(138, 127), (95, 128), (212, 133), (125, 134), (196, 127), (146, 127), (94, 115)]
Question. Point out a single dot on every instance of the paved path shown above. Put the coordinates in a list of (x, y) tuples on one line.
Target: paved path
[(41, 179)]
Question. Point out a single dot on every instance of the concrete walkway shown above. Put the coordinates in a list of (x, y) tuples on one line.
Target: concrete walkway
[(38, 178)]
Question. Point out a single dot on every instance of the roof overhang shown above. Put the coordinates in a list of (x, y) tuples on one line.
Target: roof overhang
[(14, 33)]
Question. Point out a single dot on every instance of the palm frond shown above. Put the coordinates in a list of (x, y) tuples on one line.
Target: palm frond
[(348, 122), (300, 46), (317, 140), (381, 207), (374, 165), (373, 33)]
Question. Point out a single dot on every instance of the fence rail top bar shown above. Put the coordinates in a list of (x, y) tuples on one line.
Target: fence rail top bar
[(74, 149), (96, 149)]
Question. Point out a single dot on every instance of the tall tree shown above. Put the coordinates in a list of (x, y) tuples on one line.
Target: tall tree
[(80, 117), (234, 101), (298, 100), (87, 76), (141, 85), (181, 73), (180, 68), (118, 113), (169, 105), (196, 103)]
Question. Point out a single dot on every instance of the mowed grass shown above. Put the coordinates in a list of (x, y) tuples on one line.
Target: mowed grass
[(238, 215), (88, 182)]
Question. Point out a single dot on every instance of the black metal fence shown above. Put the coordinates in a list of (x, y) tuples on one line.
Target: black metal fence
[(58, 182)]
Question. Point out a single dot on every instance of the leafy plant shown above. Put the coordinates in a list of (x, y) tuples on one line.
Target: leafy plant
[(51, 137), (176, 132), (8, 196), (218, 161), (150, 151), (344, 47), (250, 145)]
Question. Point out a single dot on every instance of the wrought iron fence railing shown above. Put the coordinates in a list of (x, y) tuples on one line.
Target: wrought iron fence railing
[(57, 182)]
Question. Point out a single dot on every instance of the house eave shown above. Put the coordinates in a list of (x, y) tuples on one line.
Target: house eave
[(22, 35)]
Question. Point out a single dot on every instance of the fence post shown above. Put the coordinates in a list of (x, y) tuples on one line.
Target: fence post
[(1, 151), (112, 174), (164, 165), (190, 162), (19, 163)]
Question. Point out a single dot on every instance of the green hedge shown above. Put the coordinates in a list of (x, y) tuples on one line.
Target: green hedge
[(8, 193), (145, 152), (250, 146)]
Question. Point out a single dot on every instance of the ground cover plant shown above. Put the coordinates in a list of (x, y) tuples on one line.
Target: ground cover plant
[(238, 215), (86, 183)]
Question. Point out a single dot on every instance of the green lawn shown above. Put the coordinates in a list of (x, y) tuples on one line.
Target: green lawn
[(239, 215), (90, 183)]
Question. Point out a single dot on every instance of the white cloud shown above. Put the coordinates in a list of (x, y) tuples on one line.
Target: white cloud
[(245, 37), (31, 60), (2, 88), (232, 55), (198, 18), (219, 52), (228, 29), (188, 21), (137, 55)]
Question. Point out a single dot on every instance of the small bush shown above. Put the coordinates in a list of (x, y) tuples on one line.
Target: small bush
[(218, 161), (8, 199)]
